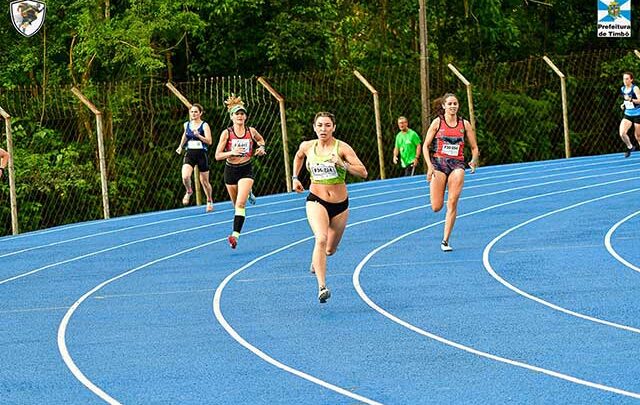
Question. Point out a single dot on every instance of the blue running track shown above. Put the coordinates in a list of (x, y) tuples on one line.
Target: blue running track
[(537, 303)]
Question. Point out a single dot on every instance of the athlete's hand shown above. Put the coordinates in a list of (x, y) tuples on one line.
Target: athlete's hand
[(237, 151), (261, 151), (336, 160), (297, 186), (179, 150), (430, 173), (395, 160), (622, 106), (473, 165)]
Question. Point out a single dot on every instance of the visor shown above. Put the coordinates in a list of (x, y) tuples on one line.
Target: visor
[(237, 108)]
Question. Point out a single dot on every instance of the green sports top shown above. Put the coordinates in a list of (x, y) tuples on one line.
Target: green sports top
[(322, 170)]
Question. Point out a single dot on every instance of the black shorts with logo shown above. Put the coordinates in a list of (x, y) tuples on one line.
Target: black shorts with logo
[(197, 157), (233, 173)]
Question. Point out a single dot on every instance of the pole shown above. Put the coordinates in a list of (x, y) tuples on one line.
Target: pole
[(472, 116), (103, 165), (565, 109), (283, 129), (376, 108), (424, 67), (12, 180)]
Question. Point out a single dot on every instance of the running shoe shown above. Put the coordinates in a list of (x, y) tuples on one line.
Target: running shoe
[(186, 198), (324, 294), (444, 246), (627, 153), (233, 241), (209, 206), (252, 198)]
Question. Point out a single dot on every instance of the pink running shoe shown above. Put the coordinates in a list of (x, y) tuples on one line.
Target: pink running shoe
[(209, 206), (233, 241)]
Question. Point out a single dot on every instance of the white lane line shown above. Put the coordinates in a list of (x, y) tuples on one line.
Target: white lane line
[(286, 201), (301, 277), (293, 199), (62, 347), (28, 273), (152, 294), (492, 272), (62, 328), (548, 248), (271, 360), (565, 164), (128, 228), (235, 335), (609, 246), (38, 309), (400, 265), (97, 252), (468, 349)]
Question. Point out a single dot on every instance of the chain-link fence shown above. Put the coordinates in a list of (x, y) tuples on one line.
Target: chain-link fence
[(517, 106)]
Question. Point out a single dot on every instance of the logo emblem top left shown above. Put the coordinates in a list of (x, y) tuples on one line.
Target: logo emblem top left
[(27, 16)]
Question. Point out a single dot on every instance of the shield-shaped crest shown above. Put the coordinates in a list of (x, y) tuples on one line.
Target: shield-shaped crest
[(613, 10), (27, 16)]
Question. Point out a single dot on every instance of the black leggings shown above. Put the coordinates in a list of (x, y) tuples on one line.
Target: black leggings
[(333, 209)]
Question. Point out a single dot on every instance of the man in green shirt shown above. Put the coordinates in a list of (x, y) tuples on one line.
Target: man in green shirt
[(408, 145)]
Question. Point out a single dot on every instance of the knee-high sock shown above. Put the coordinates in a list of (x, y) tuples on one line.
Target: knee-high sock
[(238, 221)]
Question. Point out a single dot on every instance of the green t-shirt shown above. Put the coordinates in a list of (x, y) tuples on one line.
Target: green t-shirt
[(407, 142)]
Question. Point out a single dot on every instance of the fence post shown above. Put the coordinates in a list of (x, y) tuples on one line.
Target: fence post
[(565, 109), (424, 67), (283, 128), (472, 116), (196, 171), (12, 182), (376, 108), (103, 165)]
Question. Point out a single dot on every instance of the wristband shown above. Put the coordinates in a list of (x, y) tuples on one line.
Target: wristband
[(294, 178)]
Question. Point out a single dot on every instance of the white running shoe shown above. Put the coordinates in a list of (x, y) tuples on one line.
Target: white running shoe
[(186, 198), (444, 246), (324, 294)]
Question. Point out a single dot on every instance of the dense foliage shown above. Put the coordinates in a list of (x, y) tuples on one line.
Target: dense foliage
[(106, 40)]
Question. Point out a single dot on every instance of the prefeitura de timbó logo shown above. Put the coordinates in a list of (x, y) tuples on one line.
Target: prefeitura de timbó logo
[(27, 16), (614, 18)]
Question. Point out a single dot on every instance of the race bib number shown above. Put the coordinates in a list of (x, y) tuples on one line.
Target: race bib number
[(245, 144), (323, 171), (628, 105), (194, 145), (451, 150)]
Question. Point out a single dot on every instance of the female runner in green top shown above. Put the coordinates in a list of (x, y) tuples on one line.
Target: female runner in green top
[(328, 161)]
